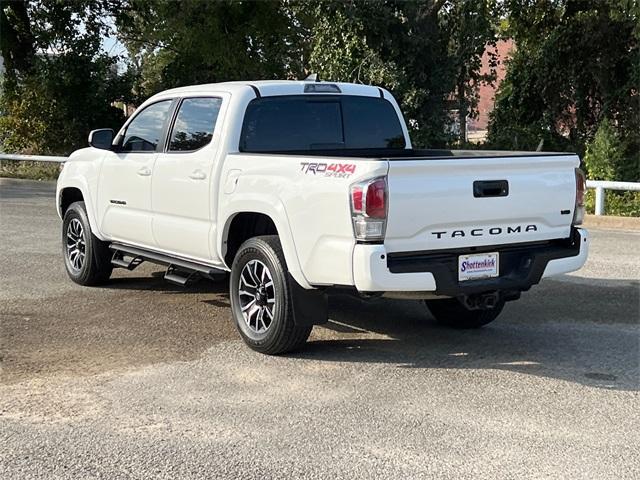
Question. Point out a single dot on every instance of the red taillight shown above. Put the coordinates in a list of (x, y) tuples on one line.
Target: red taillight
[(369, 209), (581, 186), (377, 199)]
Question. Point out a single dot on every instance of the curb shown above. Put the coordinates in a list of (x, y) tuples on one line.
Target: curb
[(612, 223)]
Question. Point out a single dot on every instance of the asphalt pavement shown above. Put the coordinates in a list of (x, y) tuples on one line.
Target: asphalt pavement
[(141, 379)]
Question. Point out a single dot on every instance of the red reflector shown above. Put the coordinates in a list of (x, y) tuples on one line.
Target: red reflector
[(376, 199), (356, 198)]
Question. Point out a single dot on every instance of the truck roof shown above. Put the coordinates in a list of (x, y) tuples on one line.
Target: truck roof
[(276, 87)]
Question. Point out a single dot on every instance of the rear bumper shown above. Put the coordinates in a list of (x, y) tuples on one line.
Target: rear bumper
[(521, 266)]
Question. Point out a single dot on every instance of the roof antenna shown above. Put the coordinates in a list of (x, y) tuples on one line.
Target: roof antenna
[(313, 77)]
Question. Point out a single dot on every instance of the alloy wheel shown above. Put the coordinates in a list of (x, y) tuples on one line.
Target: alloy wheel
[(76, 244), (257, 296)]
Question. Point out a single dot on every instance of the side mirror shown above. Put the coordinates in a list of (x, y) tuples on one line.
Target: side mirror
[(101, 138)]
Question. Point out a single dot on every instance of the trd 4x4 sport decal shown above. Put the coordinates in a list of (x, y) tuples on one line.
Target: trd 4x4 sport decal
[(338, 170)]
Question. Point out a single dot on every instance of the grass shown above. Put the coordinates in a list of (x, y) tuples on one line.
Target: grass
[(29, 170)]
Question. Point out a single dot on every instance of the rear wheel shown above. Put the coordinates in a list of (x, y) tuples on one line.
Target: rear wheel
[(261, 300), (452, 313), (86, 258)]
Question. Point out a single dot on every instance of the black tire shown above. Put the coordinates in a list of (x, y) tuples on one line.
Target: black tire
[(452, 313), (94, 267), (281, 334)]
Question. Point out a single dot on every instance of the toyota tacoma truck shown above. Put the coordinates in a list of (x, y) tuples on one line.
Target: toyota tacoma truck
[(295, 189)]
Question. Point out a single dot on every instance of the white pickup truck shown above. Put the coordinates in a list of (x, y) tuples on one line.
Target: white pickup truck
[(300, 188)]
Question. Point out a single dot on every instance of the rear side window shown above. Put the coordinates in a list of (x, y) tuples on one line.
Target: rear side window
[(145, 131), (195, 123), (371, 123), (312, 122)]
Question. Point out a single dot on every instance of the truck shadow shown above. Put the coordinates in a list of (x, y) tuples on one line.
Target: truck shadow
[(578, 330), (155, 282), (574, 329)]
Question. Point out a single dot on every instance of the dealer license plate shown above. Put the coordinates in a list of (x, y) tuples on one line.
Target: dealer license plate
[(480, 265)]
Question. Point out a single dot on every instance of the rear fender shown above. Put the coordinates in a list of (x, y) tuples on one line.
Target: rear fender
[(274, 210)]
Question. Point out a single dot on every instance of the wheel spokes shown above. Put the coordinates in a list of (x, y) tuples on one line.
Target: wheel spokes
[(249, 305), (243, 279)]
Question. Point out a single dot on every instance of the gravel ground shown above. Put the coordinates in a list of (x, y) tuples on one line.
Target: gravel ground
[(143, 380)]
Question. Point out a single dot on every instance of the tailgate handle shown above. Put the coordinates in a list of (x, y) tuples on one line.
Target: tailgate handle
[(490, 188)]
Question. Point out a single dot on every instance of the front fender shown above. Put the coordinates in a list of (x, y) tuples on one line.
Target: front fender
[(81, 173)]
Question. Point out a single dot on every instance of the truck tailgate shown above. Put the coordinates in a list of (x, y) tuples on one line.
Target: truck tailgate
[(433, 206)]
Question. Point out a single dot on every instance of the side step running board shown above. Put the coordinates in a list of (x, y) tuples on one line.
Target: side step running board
[(180, 277), (179, 271), (119, 260)]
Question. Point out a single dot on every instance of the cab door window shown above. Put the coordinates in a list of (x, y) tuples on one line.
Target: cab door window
[(144, 133)]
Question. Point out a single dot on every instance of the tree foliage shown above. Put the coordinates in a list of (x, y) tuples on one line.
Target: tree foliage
[(422, 51), (397, 45), (577, 64), (604, 158), (58, 82), (174, 43), (471, 27)]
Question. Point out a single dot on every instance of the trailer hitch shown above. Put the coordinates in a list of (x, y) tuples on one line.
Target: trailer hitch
[(488, 300)]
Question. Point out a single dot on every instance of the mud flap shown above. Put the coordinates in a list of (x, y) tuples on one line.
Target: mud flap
[(309, 306)]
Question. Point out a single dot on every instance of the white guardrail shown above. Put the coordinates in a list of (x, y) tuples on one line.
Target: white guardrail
[(602, 185), (599, 185), (32, 158)]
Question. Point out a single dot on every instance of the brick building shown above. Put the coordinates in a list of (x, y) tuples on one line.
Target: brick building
[(477, 128)]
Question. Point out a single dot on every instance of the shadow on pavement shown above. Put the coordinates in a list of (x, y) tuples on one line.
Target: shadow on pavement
[(578, 332), (575, 329), (157, 283)]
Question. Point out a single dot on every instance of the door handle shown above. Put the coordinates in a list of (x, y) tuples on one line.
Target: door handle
[(144, 172), (198, 175)]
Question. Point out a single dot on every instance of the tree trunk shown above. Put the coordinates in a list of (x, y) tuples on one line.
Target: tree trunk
[(16, 42)]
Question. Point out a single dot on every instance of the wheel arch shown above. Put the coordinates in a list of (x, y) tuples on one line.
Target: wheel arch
[(68, 196), (77, 191), (243, 224)]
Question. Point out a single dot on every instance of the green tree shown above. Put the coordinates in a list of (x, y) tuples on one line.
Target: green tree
[(174, 43), (576, 63), (17, 44), (398, 45), (64, 85), (604, 157), (604, 160), (471, 27), (419, 50)]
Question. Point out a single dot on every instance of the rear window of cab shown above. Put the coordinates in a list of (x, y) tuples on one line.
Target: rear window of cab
[(314, 122)]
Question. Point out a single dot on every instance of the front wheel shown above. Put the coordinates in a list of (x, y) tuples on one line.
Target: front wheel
[(452, 313), (261, 300), (86, 258)]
